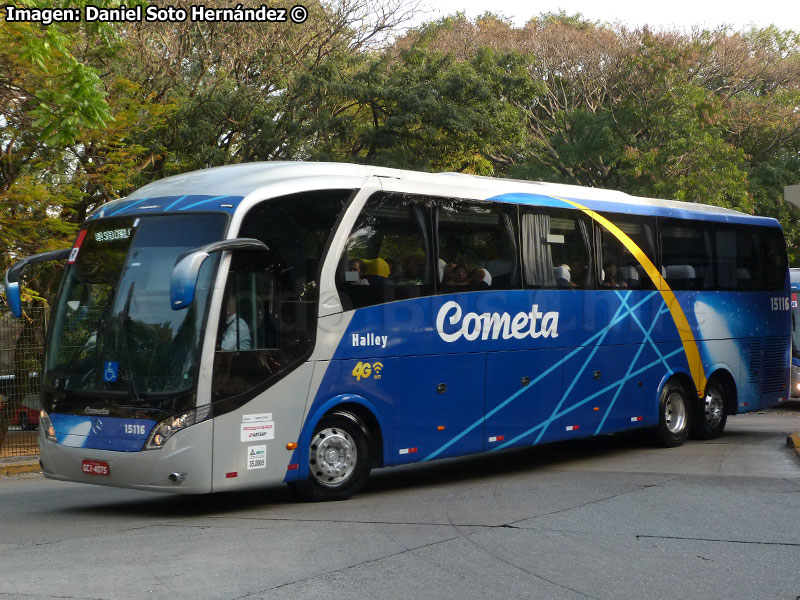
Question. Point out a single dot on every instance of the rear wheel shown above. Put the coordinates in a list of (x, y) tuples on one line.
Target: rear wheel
[(338, 459), (673, 415), (709, 416)]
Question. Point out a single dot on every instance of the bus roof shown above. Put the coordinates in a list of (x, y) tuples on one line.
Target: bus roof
[(224, 188)]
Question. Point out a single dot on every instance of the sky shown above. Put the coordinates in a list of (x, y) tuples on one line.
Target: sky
[(680, 14)]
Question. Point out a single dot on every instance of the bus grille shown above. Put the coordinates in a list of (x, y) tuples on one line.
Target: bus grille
[(754, 360), (774, 366)]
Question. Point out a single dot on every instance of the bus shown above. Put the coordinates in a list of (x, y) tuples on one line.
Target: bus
[(794, 282), (246, 325)]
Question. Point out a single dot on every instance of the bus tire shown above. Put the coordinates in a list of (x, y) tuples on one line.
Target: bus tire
[(338, 459), (709, 417), (674, 415)]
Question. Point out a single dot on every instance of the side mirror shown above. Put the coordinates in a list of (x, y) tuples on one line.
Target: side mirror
[(184, 274), (14, 273)]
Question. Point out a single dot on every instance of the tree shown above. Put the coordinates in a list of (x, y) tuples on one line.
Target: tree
[(48, 94), (709, 116), (418, 107)]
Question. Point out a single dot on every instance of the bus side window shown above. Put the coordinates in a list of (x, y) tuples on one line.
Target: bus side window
[(775, 261), (477, 246), (687, 255), (619, 266), (739, 256), (388, 254), (556, 249)]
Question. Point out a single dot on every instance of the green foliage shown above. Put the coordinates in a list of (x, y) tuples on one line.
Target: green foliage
[(420, 108), (53, 89), (92, 111)]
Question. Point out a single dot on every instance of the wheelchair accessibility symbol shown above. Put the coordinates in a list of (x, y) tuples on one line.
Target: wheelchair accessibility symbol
[(110, 371)]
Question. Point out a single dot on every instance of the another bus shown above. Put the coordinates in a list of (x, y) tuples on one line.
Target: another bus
[(247, 325), (794, 277)]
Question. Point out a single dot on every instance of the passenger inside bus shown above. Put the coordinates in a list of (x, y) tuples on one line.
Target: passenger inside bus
[(563, 276), (410, 270), (358, 272), (480, 278), (377, 271), (457, 275), (610, 276), (463, 275)]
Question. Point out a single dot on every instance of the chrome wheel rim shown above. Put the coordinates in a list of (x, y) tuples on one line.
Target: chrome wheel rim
[(675, 412), (333, 456), (713, 407)]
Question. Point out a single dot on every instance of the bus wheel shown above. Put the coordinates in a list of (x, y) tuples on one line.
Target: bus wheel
[(673, 415), (338, 459), (709, 416)]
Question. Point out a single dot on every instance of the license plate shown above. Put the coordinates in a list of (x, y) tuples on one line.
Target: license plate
[(95, 467)]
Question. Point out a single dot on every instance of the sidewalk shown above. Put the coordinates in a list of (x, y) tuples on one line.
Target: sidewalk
[(19, 464), (793, 441)]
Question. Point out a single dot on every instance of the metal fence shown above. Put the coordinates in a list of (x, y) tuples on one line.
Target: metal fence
[(21, 353)]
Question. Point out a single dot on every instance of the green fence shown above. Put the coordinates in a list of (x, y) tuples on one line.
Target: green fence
[(21, 352)]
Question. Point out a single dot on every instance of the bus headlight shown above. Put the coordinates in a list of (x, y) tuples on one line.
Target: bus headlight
[(47, 426), (172, 425)]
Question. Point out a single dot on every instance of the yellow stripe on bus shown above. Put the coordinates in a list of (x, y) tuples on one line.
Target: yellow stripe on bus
[(678, 316)]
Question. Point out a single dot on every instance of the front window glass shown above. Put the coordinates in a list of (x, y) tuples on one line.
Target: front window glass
[(113, 329), (268, 318)]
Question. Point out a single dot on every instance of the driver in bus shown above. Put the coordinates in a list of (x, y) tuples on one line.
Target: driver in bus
[(237, 332)]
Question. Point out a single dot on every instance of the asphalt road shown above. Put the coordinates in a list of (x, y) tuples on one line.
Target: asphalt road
[(604, 518)]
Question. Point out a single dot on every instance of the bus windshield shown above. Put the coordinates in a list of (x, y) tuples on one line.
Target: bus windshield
[(113, 330)]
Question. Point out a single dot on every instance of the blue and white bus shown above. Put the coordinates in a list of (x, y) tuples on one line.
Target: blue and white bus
[(247, 325)]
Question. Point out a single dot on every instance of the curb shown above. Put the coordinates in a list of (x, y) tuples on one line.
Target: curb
[(27, 465), (793, 441)]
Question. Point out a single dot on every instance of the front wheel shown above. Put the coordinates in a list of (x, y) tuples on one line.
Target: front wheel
[(338, 459), (709, 417), (673, 415)]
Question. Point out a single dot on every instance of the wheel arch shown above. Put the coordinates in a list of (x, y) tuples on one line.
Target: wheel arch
[(358, 406), (677, 375), (723, 375)]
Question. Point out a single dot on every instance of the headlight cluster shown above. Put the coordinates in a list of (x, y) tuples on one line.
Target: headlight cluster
[(46, 425), (172, 425)]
